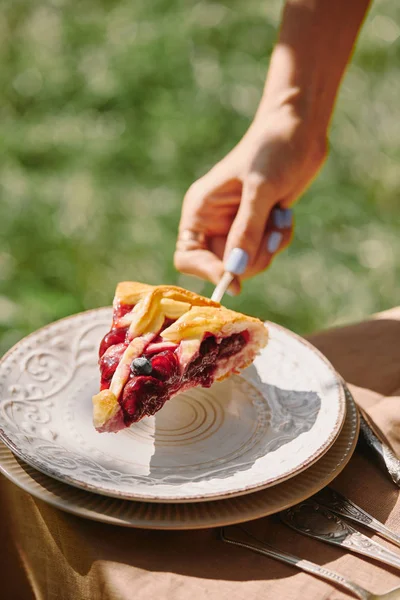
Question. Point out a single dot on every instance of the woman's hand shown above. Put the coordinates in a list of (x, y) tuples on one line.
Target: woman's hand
[(234, 205), (243, 201)]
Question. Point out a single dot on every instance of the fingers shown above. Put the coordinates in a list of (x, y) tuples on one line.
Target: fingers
[(208, 210), (204, 264), (208, 203), (242, 241), (249, 224), (277, 236)]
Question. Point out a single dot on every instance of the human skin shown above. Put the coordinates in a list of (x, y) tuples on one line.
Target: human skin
[(282, 150)]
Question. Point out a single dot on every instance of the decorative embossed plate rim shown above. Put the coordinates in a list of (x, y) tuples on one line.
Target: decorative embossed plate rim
[(313, 447), (196, 515)]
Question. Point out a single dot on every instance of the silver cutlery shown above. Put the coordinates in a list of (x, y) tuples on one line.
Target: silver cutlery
[(306, 565), (318, 522), (381, 453), (344, 507)]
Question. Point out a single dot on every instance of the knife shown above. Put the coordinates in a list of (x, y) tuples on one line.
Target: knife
[(369, 442)]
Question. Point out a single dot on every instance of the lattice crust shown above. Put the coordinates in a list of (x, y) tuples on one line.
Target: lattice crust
[(194, 314), (189, 316), (130, 292)]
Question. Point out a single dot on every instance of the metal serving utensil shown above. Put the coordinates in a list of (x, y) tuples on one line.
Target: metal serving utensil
[(305, 565), (222, 286), (318, 522), (340, 505)]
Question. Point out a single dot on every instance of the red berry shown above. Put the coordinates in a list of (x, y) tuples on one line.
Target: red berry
[(109, 361), (115, 336), (165, 366), (121, 311), (142, 395)]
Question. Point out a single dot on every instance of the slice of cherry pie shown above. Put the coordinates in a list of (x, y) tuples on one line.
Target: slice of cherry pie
[(165, 340)]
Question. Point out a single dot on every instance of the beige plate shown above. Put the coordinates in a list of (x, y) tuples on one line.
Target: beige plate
[(243, 434), (194, 515)]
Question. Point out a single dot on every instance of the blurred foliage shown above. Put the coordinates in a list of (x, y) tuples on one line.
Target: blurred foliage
[(110, 110)]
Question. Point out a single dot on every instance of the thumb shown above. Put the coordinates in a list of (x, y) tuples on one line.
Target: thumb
[(204, 264), (247, 230)]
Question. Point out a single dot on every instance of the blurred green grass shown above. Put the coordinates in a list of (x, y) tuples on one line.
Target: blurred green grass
[(110, 110)]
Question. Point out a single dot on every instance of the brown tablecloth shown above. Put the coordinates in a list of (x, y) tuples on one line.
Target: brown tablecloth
[(48, 554)]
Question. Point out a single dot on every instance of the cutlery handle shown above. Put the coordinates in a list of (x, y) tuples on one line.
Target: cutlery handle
[(329, 575), (358, 542), (303, 565), (344, 507), (222, 286), (320, 523), (382, 454)]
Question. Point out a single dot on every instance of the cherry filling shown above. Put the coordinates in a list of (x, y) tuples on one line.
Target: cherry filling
[(202, 368), (146, 394), (117, 335), (108, 364), (121, 311), (143, 395), (233, 344), (166, 367)]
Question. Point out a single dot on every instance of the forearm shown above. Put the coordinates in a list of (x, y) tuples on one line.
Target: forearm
[(314, 46)]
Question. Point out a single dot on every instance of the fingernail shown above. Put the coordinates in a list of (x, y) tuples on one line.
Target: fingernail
[(237, 261), (288, 217), (282, 218), (274, 241), (279, 218)]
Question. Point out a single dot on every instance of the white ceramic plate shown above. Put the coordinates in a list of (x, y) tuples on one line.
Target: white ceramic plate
[(241, 435), (194, 515)]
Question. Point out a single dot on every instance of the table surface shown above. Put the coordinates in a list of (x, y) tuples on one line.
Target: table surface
[(48, 554)]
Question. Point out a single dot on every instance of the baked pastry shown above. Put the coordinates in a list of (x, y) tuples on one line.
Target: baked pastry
[(165, 340)]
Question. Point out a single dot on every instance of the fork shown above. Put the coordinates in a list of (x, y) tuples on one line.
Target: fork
[(318, 522), (344, 507), (308, 566)]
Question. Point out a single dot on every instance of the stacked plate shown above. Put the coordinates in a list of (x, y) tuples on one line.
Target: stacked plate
[(245, 448)]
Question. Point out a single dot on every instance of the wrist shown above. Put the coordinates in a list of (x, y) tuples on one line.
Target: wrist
[(301, 100), (293, 120)]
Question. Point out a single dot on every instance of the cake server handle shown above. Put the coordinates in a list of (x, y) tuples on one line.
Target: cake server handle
[(222, 286)]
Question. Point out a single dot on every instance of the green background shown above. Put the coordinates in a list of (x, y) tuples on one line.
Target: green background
[(109, 111)]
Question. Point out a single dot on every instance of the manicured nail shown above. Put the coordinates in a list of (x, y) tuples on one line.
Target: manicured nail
[(237, 261), (274, 241), (288, 217), (279, 218), (282, 218)]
